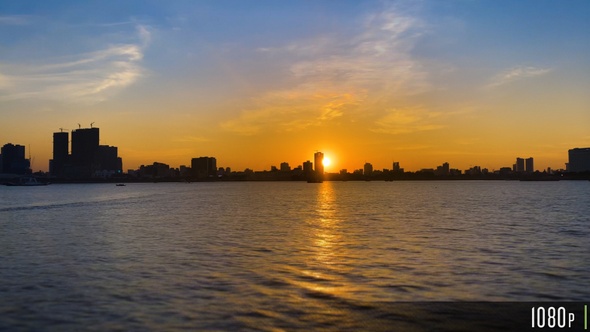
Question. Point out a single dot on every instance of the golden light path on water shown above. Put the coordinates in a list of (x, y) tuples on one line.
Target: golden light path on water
[(341, 247), (285, 256), (331, 260)]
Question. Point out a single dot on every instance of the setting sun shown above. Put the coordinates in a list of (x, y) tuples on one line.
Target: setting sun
[(326, 161)]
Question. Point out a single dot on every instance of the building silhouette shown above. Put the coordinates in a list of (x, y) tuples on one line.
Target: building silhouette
[(579, 160), (156, 170), (308, 169), (368, 169), (284, 167), (13, 160), (61, 153), (107, 158), (529, 165), (204, 167), (443, 169), (87, 159), (317, 175), (318, 159), (519, 165), (84, 147)]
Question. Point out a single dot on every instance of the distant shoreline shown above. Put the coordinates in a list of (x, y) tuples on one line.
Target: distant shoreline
[(585, 177)]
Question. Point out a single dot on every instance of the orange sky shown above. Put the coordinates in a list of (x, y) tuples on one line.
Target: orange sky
[(378, 82)]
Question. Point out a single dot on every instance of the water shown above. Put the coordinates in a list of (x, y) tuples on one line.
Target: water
[(283, 255)]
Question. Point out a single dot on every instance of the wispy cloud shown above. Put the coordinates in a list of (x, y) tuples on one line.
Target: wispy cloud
[(291, 110), (15, 20), (4, 81), (405, 121), (517, 73), (333, 76), (83, 77)]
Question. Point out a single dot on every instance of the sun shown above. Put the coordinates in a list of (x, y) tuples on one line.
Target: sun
[(326, 161)]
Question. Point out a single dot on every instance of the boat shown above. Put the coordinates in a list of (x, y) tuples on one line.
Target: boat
[(120, 185), (26, 181)]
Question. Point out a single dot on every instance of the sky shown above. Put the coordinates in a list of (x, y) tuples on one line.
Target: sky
[(257, 83)]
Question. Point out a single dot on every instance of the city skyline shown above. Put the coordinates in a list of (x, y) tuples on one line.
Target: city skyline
[(86, 150), (420, 83)]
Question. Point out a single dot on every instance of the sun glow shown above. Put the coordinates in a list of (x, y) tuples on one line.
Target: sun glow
[(326, 161)]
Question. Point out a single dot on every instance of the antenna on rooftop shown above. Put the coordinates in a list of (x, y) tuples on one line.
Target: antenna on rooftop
[(79, 126), (91, 123)]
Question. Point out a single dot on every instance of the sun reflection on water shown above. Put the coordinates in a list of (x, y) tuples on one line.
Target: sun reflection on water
[(327, 234), (330, 260)]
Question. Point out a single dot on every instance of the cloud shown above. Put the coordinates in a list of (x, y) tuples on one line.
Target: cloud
[(15, 20), (333, 76), (84, 77), (517, 73), (144, 35), (287, 111), (4, 81), (405, 121)]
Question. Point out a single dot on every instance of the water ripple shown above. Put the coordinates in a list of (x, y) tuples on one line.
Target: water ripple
[(283, 256)]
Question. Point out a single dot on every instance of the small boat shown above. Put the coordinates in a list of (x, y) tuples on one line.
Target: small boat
[(26, 181), (120, 185)]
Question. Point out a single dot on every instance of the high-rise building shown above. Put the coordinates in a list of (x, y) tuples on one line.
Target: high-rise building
[(204, 167), (529, 165), (368, 169), (319, 163), (107, 159), (285, 167), (13, 159), (519, 166), (444, 169), (85, 143), (87, 158), (579, 160), (60, 153), (318, 174), (308, 168)]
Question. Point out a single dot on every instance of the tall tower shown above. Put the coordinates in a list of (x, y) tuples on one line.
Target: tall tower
[(519, 165), (368, 169), (319, 163), (84, 149), (308, 168), (529, 166), (318, 173), (60, 152)]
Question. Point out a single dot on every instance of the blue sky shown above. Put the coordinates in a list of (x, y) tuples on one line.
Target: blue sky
[(421, 82)]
